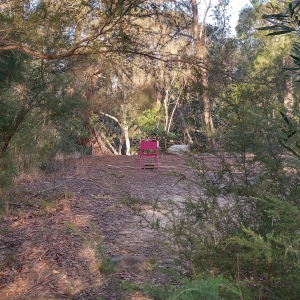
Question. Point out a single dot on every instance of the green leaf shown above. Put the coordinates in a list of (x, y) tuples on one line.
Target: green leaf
[(284, 116), (294, 163), (288, 148), (295, 58), (278, 33), (295, 4), (274, 27), (275, 16)]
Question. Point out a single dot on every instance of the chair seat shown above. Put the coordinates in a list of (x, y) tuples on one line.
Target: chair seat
[(149, 154)]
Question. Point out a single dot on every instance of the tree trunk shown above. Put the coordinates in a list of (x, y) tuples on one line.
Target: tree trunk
[(125, 130), (289, 95), (171, 117), (185, 128), (158, 86), (166, 107), (288, 100), (207, 106), (98, 146), (21, 116), (199, 36)]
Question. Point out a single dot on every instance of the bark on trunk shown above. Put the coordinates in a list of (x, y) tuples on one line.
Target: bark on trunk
[(288, 100), (166, 106), (199, 37), (98, 146), (185, 128), (21, 116), (125, 130), (289, 95), (170, 119), (158, 94)]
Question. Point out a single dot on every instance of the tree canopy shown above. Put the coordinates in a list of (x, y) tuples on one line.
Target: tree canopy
[(60, 29)]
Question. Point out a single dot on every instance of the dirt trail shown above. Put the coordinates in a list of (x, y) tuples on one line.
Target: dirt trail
[(59, 225)]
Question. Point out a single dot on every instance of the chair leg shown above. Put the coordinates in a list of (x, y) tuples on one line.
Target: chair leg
[(157, 162)]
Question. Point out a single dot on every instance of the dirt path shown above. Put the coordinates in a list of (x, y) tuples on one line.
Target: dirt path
[(57, 234)]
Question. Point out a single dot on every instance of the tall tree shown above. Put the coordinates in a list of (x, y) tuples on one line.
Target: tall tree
[(200, 42)]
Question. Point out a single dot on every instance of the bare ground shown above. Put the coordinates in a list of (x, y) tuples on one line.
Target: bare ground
[(50, 234)]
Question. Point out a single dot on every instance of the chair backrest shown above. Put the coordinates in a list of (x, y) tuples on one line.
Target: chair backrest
[(149, 145)]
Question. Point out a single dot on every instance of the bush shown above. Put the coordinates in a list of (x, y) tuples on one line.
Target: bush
[(240, 219)]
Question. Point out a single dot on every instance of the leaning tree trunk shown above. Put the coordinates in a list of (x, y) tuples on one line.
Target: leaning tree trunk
[(98, 146), (18, 121)]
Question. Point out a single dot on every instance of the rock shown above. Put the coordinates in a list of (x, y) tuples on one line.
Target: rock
[(178, 149)]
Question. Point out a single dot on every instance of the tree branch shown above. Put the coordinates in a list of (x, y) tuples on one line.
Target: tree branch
[(110, 116)]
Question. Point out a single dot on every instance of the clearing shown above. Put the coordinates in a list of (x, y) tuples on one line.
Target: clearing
[(59, 225)]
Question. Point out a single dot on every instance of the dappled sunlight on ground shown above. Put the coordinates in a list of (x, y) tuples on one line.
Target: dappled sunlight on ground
[(81, 220)]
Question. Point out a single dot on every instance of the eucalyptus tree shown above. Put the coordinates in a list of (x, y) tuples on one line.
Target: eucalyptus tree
[(200, 45), (270, 57), (282, 18), (256, 90), (61, 30), (58, 29), (201, 52), (119, 93)]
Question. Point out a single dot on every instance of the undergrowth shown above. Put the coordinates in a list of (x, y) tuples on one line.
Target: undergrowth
[(236, 233)]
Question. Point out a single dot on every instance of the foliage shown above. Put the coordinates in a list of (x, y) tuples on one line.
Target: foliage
[(37, 116), (149, 125), (268, 252), (288, 136), (237, 229), (240, 217), (73, 28), (252, 242), (194, 289), (284, 22), (149, 119)]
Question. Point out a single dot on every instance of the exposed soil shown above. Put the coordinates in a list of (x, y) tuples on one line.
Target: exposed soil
[(50, 235)]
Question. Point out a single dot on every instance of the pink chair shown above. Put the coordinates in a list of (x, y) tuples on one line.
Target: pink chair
[(149, 148)]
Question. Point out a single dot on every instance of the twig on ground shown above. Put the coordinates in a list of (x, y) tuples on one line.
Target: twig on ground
[(51, 188), (35, 262)]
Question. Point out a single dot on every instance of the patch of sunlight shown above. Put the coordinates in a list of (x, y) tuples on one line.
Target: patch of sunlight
[(18, 287), (23, 222), (158, 218), (81, 220), (138, 296), (66, 284), (88, 255)]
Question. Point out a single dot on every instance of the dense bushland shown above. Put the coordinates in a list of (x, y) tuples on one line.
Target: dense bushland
[(89, 75), (240, 219)]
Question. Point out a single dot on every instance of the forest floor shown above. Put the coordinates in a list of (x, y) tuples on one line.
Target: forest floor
[(60, 227)]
